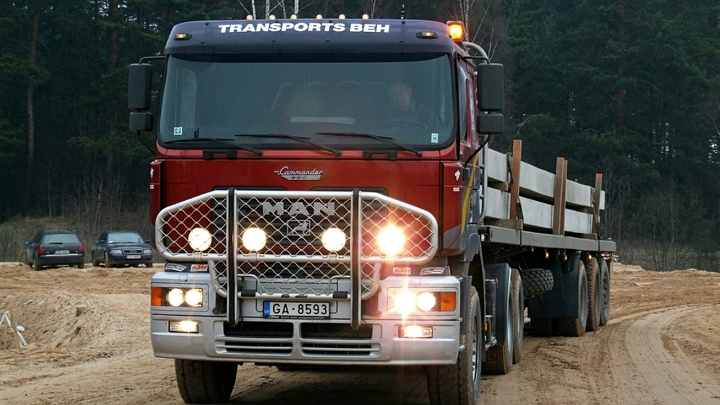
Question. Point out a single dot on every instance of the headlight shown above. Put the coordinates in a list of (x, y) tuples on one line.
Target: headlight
[(115, 251), (391, 240), (177, 297), (147, 251), (254, 239), (407, 301), (333, 239), (199, 239)]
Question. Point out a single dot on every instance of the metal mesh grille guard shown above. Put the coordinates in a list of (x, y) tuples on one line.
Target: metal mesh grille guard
[(293, 260)]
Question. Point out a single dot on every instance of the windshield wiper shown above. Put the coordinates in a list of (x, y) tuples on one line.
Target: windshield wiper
[(384, 139), (221, 141), (301, 139)]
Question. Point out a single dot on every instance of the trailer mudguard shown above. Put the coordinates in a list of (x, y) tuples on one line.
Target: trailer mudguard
[(562, 300), (501, 272)]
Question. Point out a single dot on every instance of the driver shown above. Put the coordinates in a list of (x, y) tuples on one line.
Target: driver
[(404, 106)]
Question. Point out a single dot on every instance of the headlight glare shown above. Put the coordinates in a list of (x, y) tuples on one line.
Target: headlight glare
[(333, 239), (254, 239), (176, 297), (404, 302), (391, 240), (426, 301), (200, 239), (194, 297)]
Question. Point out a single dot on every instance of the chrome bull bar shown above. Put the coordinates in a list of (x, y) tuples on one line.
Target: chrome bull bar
[(292, 258)]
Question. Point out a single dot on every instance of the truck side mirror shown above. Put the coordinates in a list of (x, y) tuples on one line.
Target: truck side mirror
[(490, 87), (139, 86)]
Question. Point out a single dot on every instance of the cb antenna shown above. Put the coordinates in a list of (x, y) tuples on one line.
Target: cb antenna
[(402, 12)]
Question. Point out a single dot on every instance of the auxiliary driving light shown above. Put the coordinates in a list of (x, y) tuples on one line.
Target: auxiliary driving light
[(333, 239), (184, 326), (199, 239), (254, 239), (391, 240)]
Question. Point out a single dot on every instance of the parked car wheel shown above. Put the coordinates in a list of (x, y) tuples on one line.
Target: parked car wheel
[(107, 261), (36, 266)]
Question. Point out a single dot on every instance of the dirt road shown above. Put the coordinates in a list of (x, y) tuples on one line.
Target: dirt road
[(89, 343)]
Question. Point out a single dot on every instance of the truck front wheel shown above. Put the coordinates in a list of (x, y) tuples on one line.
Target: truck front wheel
[(205, 382), (459, 383)]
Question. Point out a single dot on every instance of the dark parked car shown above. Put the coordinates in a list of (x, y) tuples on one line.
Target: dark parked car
[(121, 248), (55, 248)]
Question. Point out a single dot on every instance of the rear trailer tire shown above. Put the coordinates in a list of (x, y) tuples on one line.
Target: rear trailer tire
[(499, 358), (594, 296), (519, 311), (537, 281), (576, 326), (459, 383), (605, 300), (205, 382)]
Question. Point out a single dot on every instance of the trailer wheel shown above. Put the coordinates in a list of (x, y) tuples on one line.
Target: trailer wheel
[(459, 383), (536, 281), (205, 382), (605, 276), (500, 357), (576, 326), (519, 313), (594, 295)]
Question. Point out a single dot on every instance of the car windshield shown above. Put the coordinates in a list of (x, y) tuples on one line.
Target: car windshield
[(60, 238), (261, 102), (124, 237)]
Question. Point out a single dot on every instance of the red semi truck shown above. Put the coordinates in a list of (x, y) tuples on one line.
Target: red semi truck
[(309, 217)]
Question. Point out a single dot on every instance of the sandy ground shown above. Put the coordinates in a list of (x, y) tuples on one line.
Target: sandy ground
[(89, 343)]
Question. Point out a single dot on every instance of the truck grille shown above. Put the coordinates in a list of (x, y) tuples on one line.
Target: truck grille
[(293, 260)]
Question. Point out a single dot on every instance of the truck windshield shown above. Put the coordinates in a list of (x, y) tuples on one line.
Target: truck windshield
[(407, 101)]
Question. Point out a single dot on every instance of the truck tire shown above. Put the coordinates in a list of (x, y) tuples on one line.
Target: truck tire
[(594, 295), (605, 277), (536, 281), (519, 311), (576, 326), (205, 382), (499, 358), (459, 383)]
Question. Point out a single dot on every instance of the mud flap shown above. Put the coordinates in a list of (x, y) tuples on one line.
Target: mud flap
[(501, 272), (561, 301)]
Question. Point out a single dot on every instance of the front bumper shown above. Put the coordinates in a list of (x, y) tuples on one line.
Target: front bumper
[(123, 259), (383, 347), (59, 260)]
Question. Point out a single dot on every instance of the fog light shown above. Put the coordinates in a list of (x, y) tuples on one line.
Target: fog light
[(333, 239), (416, 331), (391, 240), (199, 239), (184, 326)]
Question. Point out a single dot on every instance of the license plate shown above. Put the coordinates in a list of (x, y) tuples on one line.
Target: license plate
[(296, 310), (62, 252), (130, 257)]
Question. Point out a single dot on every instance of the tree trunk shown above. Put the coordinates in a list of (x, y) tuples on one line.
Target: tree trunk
[(30, 111)]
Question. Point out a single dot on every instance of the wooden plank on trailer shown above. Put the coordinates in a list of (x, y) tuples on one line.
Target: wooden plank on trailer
[(558, 224), (515, 184)]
